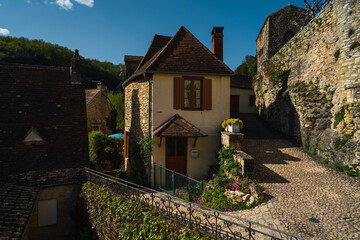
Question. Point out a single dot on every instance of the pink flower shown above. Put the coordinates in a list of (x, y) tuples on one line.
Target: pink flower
[(213, 200)]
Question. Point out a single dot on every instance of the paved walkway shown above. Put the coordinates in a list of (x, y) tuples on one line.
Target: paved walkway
[(302, 188)]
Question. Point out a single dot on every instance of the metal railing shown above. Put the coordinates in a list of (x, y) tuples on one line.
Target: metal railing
[(211, 222), (176, 183)]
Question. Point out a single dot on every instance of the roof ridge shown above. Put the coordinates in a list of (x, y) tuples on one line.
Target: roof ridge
[(147, 52), (197, 40)]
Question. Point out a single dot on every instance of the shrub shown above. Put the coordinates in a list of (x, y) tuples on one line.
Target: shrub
[(131, 219), (102, 147), (227, 162)]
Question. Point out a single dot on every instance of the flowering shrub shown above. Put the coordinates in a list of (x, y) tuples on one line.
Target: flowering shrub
[(241, 185), (228, 122), (226, 161)]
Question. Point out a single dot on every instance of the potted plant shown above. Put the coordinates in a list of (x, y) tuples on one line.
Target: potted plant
[(232, 125)]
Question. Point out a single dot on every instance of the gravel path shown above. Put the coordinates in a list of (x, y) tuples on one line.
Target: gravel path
[(302, 188)]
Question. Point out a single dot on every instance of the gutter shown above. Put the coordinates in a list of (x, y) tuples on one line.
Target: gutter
[(149, 125)]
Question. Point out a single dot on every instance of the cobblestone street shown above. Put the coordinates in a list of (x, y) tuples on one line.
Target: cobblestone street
[(302, 188)]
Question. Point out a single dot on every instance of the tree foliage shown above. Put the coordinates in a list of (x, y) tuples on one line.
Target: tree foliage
[(248, 67), (117, 100), (314, 6), (38, 52)]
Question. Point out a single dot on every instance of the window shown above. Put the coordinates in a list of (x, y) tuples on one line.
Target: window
[(251, 100), (192, 93)]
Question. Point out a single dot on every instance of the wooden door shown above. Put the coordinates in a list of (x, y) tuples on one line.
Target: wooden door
[(234, 104), (176, 154)]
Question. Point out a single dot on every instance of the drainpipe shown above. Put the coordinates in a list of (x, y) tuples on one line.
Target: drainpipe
[(149, 126)]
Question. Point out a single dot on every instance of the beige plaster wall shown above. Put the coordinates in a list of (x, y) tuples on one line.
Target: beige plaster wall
[(208, 121), (243, 99)]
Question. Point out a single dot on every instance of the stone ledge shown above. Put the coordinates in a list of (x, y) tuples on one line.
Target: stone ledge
[(232, 139), (246, 162)]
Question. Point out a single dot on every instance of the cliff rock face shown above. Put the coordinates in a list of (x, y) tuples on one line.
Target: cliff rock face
[(310, 88)]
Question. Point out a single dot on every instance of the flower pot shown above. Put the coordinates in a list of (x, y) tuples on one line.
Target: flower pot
[(233, 128)]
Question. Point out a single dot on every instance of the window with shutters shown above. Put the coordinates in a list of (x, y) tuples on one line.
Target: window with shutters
[(192, 93)]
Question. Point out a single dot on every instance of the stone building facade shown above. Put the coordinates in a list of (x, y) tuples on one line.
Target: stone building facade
[(279, 27), (174, 103), (98, 108), (43, 148), (310, 88)]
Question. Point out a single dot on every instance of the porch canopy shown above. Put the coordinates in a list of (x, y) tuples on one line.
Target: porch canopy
[(176, 126)]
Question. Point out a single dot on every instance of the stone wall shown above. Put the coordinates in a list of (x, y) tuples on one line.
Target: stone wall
[(310, 89), (98, 110), (137, 108)]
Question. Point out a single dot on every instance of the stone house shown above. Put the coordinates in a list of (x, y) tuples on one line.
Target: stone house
[(309, 87), (278, 28), (98, 108), (43, 144), (178, 95), (242, 98)]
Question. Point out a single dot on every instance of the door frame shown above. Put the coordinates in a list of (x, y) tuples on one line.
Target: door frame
[(185, 151)]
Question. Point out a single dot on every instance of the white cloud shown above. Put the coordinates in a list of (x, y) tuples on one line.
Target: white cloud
[(0, 5), (65, 4), (89, 3), (4, 31), (28, 1)]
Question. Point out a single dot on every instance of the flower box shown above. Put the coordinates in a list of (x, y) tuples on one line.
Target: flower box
[(233, 128)]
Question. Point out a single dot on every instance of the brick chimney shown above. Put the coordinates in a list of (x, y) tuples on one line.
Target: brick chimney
[(102, 87), (75, 69), (217, 41)]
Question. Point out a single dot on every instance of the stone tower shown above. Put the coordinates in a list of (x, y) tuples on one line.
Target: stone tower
[(279, 27)]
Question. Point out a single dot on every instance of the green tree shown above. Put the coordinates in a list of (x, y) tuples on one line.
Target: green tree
[(117, 100), (248, 67), (38, 52)]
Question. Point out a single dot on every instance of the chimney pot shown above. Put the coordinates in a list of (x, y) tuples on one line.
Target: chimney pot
[(75, 69), (217, 41), (102, 87)]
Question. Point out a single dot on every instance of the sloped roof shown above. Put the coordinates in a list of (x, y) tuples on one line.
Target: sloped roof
[(132, 58), (90, 94), (182, 53), (176, 126), (157, 43), (16, 203), (241, 81)]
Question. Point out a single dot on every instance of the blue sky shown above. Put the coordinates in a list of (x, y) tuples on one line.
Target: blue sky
[(109, 29)]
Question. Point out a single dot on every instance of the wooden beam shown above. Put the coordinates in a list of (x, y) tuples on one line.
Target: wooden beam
[(195, 142)]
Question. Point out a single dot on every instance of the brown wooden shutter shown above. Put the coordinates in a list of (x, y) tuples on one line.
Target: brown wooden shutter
[(207, 92), (178, 93)]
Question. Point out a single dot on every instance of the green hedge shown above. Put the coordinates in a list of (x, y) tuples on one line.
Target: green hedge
[(127, 218)]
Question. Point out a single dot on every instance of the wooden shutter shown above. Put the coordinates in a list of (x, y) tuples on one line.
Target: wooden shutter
[(207, 92), (178, 93)]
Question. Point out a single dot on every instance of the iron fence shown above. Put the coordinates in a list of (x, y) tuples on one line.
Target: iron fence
[(176, 183), (211, 222)]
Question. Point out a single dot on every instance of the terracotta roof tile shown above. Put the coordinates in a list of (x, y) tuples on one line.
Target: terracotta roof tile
[(176, 126), (90, 94), (182, 53)]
